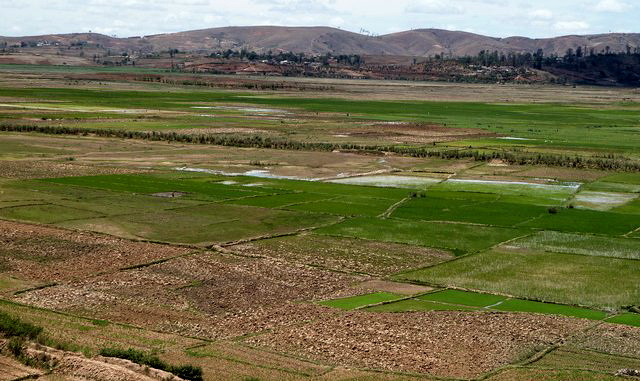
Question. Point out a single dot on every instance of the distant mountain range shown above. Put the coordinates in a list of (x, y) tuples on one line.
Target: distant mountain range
[(321, 40)]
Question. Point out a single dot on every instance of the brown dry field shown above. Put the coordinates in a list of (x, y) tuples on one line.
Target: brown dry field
[(613, 339), (345, 254), (11, 369), (413, 133), (446, 344), (264, 302), (28, 169), (208, 294), (44, 254)]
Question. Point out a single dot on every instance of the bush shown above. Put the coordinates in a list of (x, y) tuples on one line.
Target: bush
[(16, 346), (553, 210), (14, 327), (187, 372)]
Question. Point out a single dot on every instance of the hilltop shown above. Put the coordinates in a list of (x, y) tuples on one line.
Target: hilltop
[(322, 40)]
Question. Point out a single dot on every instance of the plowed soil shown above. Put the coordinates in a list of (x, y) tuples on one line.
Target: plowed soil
[(45, 254), (209, 294), (448, 344)]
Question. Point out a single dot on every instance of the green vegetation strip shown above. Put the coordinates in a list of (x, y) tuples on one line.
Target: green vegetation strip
[(472, 299), (186, 372), (361, 300), (455, 300), (416, 305), (626, 318), (560, 278), (518, 305), (460, 238), (259, 141)]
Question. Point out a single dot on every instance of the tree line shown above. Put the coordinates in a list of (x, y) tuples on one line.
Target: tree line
[(609, 162)]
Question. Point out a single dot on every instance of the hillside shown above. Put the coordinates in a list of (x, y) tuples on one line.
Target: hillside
[(321, 40)]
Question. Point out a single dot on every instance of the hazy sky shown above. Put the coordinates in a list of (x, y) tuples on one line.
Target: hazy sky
[(500, 18)]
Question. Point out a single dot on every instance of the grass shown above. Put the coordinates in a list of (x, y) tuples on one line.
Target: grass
[(626, 318), (552, 375), (543, 194), (471, 299), (415, 305), (536, 121), (46, 214), (586, 221), (438, 235), (280, 200), (488, 213), (351, 206), (11, 326), (205, 224), (623, 178), (551, 277), (549, 308), (573, 358), (450, 300), (583, 244), (361, 300), (148, 184)]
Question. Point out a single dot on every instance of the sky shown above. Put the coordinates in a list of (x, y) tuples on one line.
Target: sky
[(498, 18)]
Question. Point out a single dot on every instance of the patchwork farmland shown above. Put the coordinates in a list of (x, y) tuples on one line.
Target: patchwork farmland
[(426, 232)]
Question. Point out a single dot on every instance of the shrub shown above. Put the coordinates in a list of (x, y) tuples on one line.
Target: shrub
[(553, 210), (14, 327), (16, 346), (187, 372)]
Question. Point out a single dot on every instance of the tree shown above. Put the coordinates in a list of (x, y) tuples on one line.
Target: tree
[(538, 58)]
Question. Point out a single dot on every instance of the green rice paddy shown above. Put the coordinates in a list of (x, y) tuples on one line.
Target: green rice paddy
[(361, 300), (455, 300)]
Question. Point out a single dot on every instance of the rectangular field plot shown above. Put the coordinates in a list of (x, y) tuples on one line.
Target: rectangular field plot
[(471, 299), (418, 304), (542, 194), (157, 185), (602, 200), (626, 319), (574, 358), (347, 206), (125, 204), (551, 375), (280, 200), (488, 213), (623, 178), (583, 244), (560, 278), (205, 224), (45, 214), (389, 181), (462, 300), (337, 189), (458, 237), (361, 300), (346, 254), (518, 305), (632, 207), (605, 186), (586, 221)]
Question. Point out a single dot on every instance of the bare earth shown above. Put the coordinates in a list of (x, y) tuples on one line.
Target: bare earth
[(48, 254), (447, 344)]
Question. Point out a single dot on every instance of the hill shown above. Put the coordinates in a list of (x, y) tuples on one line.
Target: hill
[(321, 40)]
